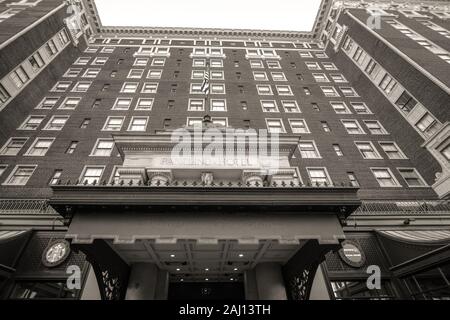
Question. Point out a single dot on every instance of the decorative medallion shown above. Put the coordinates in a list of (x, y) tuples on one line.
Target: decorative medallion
[(56, 253), (352, 254)]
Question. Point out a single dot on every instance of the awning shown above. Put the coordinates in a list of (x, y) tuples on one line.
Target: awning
[(428, 236), (11, 245), (168, 228)]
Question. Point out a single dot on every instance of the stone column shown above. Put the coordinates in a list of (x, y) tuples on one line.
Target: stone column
[(270, 282), (90, 290), (251, 289), (142, 282), (319, 289)]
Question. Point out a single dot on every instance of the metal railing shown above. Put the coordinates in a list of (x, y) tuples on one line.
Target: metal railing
[(403, 207), (25, 206)]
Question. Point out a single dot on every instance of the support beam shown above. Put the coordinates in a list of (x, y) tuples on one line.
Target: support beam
[(147, 282), (270, 282)]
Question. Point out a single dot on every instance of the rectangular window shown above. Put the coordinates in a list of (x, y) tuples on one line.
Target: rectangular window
[(13, 146), (340, 108), (197, 74), (217, 88), (387, 84), (299, 126), (122, 104), (138, 124), (325, 126), (154, 74), (313, 66), (269, 106), (353, 180), (352, 127), (290, 106), (196, 105), (20, 175), (375, 127), (4, 95), (72, 72), (264, 89), (129, 87), (320, 77), (56, 123), (141, 62), (36, 61), (216, 63), (338, 150), (260, 76), (70, 103), (158, 62), (144, 104), (199, 63), (385, 177), (85, 123), (275, 126), (330, 91), (81, 86), (392, 150), (61, 86), (360, 108), (349, 92), (149, 87), (48, 103), (100, 61), (55, 178), (82, 61), (406, 103), (368, 150), (278, 76), (91, 175), (272, 64), (338, 78), (308, 150), (256, 64), (19, 77), (318, 176), (218, 105), (32, 123), (194, 122), (329, 66), (427, 125), (51, 48), (40, 147), (103, 148), (3, 168), (284, 90), (371, 67), (91, 73), (113, 124), (72, 146), (217, 75)]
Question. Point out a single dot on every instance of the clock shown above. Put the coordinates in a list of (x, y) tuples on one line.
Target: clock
[(56, 253)]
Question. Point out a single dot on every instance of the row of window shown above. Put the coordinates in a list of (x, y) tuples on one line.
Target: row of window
[(317, 176)]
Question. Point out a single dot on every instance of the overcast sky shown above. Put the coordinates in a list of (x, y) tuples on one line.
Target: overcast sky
[(288, 15)]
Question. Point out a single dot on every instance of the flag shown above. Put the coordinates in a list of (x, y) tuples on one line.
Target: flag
[(205, 85)]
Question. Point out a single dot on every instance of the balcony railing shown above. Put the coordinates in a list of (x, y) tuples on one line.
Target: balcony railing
[(25, 207), (436, 207)]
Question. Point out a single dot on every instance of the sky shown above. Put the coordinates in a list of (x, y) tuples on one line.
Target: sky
[(285, 15)]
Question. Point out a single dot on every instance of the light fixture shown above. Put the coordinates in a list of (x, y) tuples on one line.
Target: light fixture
[(206, 279), (206, 269), (231, 279), (241, 255), (235, 269), (181, 280), (178, 269), (172, 256)]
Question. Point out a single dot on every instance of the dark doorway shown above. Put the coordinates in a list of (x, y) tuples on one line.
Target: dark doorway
[(206, 291)]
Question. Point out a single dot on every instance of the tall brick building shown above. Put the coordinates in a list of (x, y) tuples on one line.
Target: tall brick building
[(360, 106)]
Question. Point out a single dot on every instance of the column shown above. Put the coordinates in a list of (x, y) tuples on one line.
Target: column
[(90, 290), (251, 289), (142, 282), (270, 282), (319, 289)]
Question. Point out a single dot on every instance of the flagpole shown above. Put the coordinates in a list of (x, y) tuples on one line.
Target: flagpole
[(207, 94)]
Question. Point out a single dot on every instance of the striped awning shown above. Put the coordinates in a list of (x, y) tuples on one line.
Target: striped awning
[(427, 236), (10, 235)]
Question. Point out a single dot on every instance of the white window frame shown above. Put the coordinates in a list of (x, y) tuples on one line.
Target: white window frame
[(130, 125), (418, 175), (212, 101), (47, 126), (402, 155), (325, 170), (272, 102), (41, 117), (377, 155), (279, 120), (288, 87), (107, 123), (194, 110), (139, 107), (394, 178), (35, 142), (7, 144), (154, 85), (383, 130), (291, 120), (96, 145), (269, 93), (124, 88), (354, 121), (86, 168), (284, 102), (158, 71), (14, 171), (116, 103)]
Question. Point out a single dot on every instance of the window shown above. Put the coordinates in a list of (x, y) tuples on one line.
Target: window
[(325, 126), (91, 175), (375, 127), (427, 125), (338, 78), (81, 86), (371, 67), (255, 64), (129, 87), (445, 151), (72, 72), (135, 73), (269, 106), (278, 76), (368, 150), (100, 61), (51, 48), (299, 126), (313, 66), (91, 73), (220, 122), (359, 55), (217, 88), (260, 76), (113, 124), (48, 103), (82, 61), (158, 62), (329, 66), (40, 147), (32, 123), (194, 122), (36, 61), (385, 177), (318, 176), (20, 175), (216, 63), (392, 150), (290, 106), (122, 104), (305, 54), (387, 84), (360, 108), (330, 91), (349, 92), (196, 88), (85, 123), (406, 103), (218, 105), (321, 55), (108, 49), (138, 124), (340, 107), (70, 103), (56, 123), (144, 104), (199, 63), (61, 86), (272, 64), (149, 87), (320, 77), (72, 146), (353, 180), (217, 75), (308, 149), (141, 62), (275, 126), (3, 169), (103, 148), (284, 90), (352, 127), (13, 146), (54, 180), (196, 105), (264, 89), (4, 95), (19, 77), (154, 74), (197, 74)]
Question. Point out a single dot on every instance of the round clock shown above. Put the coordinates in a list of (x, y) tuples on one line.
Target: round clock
[(56, 253), (352, 254)]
